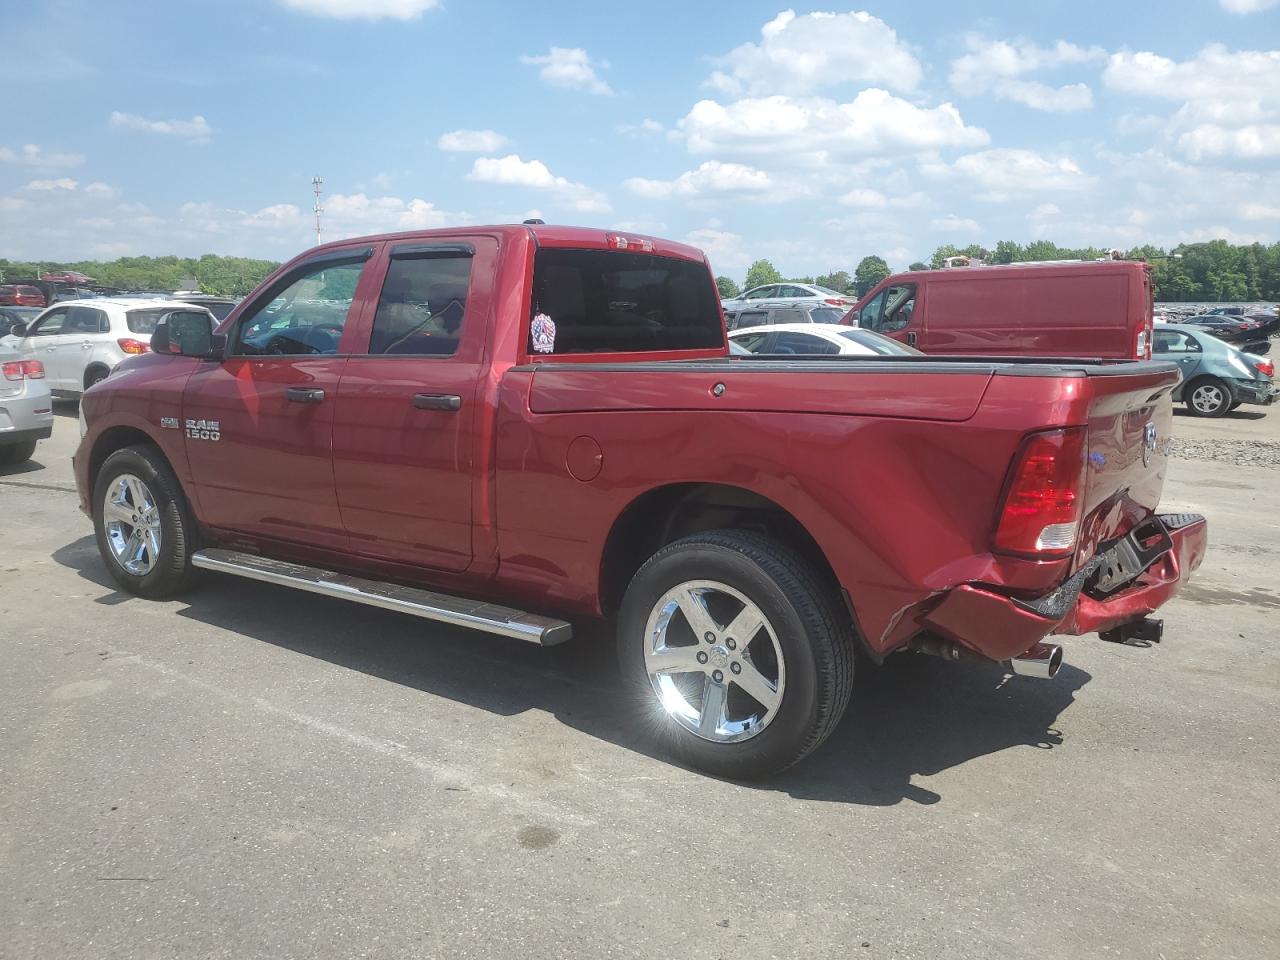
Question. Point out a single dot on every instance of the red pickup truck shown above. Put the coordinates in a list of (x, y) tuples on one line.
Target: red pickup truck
[(518, 427)]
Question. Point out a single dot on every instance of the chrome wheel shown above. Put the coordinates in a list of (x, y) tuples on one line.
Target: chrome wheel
[(714, 661), (131, 520), (1208, 398)]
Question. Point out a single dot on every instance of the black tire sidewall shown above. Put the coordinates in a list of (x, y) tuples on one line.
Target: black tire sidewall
[(785, 738), (177, 530), (12, 454)]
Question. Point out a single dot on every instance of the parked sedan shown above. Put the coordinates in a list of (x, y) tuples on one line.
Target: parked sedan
[(790, 293), (26, 409), (818, 339), (1216, 377), (80, 342), (1230, 329), (771, 314)]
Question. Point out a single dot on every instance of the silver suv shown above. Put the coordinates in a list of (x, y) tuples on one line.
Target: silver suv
[(81, 341)]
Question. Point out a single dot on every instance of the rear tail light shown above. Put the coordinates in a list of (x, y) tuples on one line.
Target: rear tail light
[(131, 346), (1142, 348), (1040, 515), (1266, 367), (834, 302), (24, 369)]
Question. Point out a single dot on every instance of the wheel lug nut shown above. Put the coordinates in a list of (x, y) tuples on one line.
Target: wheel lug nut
[(702, 657), (731, 644), (735, 667), (709, 637), (717, 676)]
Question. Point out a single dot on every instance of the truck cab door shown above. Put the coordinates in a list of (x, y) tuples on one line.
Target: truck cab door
[(259, 423), (408, 430)]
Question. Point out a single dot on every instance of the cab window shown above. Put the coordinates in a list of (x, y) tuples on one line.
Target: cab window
[(50, 324), (899, 305), (306, 317), (422, 306), (760, 293), (869, 316)]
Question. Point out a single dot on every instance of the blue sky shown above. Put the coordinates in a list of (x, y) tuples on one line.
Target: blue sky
[(810, 135)]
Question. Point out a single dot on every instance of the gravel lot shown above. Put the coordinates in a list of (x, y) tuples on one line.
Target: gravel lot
[(252, 772)]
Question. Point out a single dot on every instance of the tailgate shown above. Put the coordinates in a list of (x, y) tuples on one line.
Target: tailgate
[(1130, 428)]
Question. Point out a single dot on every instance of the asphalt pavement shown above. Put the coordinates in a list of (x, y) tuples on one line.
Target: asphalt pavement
[(249, 771)]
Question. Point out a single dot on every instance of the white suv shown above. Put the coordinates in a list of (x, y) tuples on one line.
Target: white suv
[(81, 341)]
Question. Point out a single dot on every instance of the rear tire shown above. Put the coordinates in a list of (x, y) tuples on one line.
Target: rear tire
[(12, 454), (95, 375), (144, 527), (746, 706), (1208, 397)]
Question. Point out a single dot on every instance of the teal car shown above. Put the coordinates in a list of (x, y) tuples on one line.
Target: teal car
[(1216, 377)]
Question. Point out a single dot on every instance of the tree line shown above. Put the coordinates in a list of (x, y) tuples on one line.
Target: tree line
[(224, 276), (1216, 271)]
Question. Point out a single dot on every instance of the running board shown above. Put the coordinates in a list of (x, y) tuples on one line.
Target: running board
[(442, 608)]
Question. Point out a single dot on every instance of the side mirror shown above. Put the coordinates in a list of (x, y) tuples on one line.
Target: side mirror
[(18, 330), (187, 333)]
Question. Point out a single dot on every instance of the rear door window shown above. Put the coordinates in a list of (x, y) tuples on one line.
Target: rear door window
[(826, 315), (788, 316), (602, 301), (752, 318), (422, 305)]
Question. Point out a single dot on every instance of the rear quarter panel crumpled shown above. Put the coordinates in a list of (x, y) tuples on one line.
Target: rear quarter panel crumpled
[(897, 478)]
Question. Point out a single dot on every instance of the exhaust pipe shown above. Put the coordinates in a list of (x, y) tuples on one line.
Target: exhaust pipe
[(1042, 660)]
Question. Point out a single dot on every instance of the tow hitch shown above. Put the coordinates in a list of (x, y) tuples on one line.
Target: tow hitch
[(1140, 633)]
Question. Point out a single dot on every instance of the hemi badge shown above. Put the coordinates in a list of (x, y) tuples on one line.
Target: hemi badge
[(169, 423)]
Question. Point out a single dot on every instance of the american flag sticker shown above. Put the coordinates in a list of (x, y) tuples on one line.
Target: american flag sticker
[(543, 333)]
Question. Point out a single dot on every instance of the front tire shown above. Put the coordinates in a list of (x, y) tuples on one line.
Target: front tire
[(1208, 397), (12, 454), (737, 647), (144, 528)]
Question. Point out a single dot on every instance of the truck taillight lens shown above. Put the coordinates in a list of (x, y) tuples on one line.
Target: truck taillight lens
[(1040, 516), (24, 369), (1142, 349), (131, 346)]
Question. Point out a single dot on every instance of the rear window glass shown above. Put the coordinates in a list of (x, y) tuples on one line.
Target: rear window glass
[(826, 315), (600, 301), (144, 321), (220, 311)]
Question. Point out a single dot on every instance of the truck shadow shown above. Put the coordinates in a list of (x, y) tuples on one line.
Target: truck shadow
[(914, 716)]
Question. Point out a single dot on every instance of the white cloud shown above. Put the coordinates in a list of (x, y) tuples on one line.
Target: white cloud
[(197, 129), (30, 155), (998, 68), (100, 189), (724, 249), (874, 122), (863, 197), (710, 178), (62, 183), (363, 9), (570, 68), (536, 175), (1248, 6), (645, 126), (1004, 172), (798, 55), (953, 224), (472, 141), (1230, 98), (1260, 211)]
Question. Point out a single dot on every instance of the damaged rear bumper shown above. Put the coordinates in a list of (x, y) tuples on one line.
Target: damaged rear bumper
[(1120, 584)]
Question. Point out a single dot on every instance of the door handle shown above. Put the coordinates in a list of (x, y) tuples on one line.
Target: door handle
[(911, 339), (85, 344), (437, 401), (304, 394)]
